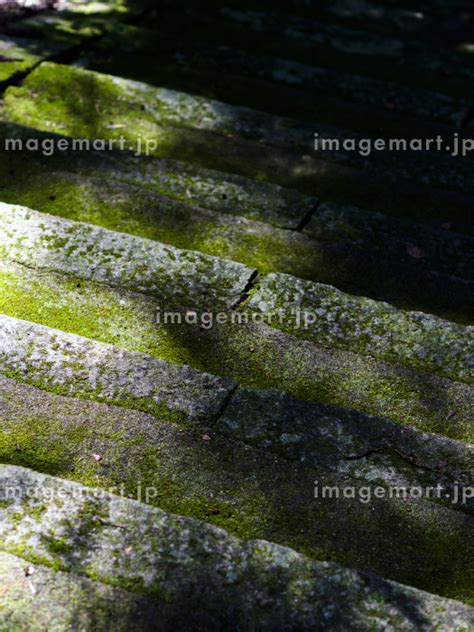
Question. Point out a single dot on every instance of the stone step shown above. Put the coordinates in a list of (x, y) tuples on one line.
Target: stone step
[(214, 190), (425, 167), (410, 63), (77, 366), (243, 581), (90, 252), (121, 117), (37, 598), (145, 458), (341, 441), (227, 53), (22, 55), (325, 315), (242, 349), (370, 448), (116, 205)]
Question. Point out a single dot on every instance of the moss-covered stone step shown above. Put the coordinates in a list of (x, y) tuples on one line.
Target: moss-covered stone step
[(65, 98), (77, 366), (49, 599), (232, 485), (355, 50), (130, 42), (370, 448), (326, 315), (67, 176), (437, 247), (90, 252), (256, 355), (22, 55), (424, 167), (240, 582), (116, 205)]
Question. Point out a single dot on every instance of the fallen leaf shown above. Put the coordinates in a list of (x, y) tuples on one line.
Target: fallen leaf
[(415, 252)]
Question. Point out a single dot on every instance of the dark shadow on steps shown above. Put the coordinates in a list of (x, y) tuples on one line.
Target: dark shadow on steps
[(251, 493)]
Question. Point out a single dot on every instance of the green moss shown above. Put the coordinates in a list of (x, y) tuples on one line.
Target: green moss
[(255, 357)]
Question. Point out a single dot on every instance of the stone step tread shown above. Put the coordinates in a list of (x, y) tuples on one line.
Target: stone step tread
[(255, 354), (90, 252), (124, 207), (334, 444), (172, 108), (240, 578), (346, 442), (22, 55), (142, 42), (50, 112), (142, 457), (366, 326), (57, 360), (218, 191)]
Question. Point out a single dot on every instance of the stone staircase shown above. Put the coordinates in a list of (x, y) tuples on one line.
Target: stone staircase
[(167, 473)]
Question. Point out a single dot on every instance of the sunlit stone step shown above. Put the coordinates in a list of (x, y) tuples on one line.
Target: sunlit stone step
[(325, 315), (89, 252)]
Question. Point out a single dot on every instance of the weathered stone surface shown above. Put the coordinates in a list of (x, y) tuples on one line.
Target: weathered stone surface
[(116, 204), (65, 98), (77, 366), (256, 355), (438, 247), (358, 88), (89, 252), (216, 190), (371, 448), (53, 600), (180, 560), (366, 326), (319, 438)]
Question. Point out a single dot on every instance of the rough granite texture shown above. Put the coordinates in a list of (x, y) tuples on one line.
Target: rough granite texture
[(125, 544), (256, 355), (133, 446), (46, 242), (121, 206), (358, 49), (56, 601), (371, 448), (328, 316), (77, 366)]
